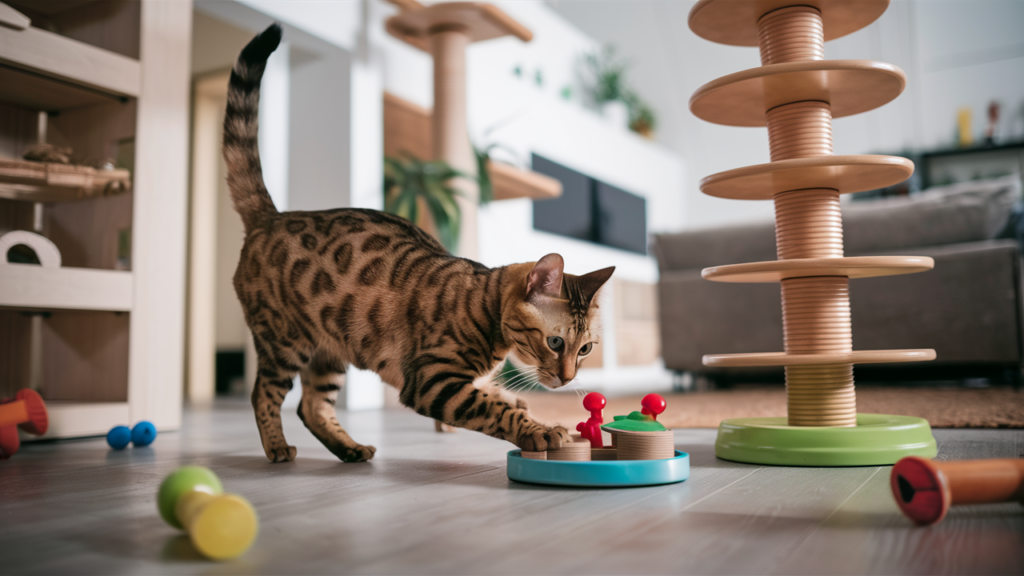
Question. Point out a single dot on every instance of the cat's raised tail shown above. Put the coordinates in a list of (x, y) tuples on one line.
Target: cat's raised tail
[(241, 152)]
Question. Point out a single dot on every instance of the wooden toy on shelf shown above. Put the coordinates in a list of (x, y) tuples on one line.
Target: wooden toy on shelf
[(642, 452), (925, 489), (220, 526), (796, 93), (26, 411)]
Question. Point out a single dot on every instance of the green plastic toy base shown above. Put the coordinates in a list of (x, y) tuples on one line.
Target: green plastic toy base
[(876, 440)]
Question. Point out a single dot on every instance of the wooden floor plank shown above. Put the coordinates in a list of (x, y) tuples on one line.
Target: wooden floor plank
[(433, 503), (869, 535)]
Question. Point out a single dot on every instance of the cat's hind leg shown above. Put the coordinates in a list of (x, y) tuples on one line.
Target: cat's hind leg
[(321, 382), (272, 383)]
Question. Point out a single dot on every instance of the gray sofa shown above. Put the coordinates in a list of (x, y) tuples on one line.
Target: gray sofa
[(968, 308)]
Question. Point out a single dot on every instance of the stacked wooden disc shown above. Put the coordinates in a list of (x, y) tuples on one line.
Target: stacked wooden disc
[(796, 93), (604, 454), (576, 451), (644, 445)]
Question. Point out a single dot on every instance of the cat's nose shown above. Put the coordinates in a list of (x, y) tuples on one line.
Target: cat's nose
[(566, 375)]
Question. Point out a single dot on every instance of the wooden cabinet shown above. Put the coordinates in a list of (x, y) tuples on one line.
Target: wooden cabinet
[(101, 336)]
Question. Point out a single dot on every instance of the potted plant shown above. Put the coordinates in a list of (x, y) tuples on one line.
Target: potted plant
[(411, 183), (607, 84), (642, 119)]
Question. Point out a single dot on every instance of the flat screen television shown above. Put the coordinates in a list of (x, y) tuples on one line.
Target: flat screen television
[(591, 210), (571, 214)]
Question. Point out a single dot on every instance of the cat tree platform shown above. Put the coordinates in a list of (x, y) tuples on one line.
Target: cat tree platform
[(446, 30), (796, 93)]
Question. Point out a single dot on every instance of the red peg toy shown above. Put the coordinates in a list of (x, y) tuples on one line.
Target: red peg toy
[(26, 411), (653, 405), (591, 429)]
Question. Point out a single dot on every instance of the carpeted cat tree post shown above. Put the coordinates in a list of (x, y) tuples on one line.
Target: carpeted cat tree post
[(796, 93), (445, 30)]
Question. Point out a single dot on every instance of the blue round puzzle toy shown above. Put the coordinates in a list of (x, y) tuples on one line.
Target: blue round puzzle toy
[(143, 433), (118, 437), (599, 473)]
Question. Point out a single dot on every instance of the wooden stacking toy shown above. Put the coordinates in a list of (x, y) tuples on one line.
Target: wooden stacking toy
[(925, 489), (639, 436), (26, 411), (220, 526), (642, 452), (796, 93), (576, 451)]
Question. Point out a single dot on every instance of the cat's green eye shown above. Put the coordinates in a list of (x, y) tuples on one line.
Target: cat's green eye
[(586, 348), (556, 343)]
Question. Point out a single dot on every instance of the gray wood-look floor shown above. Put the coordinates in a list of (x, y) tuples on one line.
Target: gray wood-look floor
[(433, 503)]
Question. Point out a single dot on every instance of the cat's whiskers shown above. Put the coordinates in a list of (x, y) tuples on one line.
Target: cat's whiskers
[(519, 378), (528, 383), (522, 384)]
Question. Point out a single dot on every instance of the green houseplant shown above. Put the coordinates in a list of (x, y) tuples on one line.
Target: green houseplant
[(408, 181)]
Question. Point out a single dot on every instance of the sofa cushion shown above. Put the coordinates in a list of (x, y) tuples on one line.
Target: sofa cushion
[(965, 212), (967, 309)]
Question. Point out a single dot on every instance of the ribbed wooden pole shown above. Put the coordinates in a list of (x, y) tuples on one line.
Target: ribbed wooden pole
[(808, 224), (450, 133)]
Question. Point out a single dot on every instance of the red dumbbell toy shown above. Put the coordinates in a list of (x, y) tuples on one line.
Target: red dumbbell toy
[(26, 411), (925, 489)]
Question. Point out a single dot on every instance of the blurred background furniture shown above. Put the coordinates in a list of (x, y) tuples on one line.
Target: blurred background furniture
[(968, 308), (101, 336)]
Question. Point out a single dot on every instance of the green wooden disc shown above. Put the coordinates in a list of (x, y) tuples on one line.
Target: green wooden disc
[(183, 480), (876, 440)]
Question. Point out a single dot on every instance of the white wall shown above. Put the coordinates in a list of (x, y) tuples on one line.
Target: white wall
[(321, 118), (525, 116), (533, 118), (955, 53), (520, 115)]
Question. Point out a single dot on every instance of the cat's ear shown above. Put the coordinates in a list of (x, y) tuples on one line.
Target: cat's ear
[(592, 282), (546, 277)]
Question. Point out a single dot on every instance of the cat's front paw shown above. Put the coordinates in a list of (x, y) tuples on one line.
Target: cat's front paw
[(358, 453), (282, 454), (544, 439)]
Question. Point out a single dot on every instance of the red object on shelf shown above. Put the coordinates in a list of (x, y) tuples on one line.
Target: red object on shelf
[(26, 411), (591, 429), (653, 404)]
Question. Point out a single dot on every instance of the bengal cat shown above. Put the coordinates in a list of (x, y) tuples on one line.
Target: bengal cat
[(321, 290)]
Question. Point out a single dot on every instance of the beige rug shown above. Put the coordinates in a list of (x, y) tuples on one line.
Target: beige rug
[(943, 408)]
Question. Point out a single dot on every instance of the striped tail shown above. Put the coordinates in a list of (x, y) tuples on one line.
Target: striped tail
[(241, 151)]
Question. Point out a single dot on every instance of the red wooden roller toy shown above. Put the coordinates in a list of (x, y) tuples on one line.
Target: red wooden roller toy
[(26, 411), (925, 489)]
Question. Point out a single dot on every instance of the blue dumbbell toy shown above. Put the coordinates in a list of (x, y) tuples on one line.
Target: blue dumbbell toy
[(142, 434)]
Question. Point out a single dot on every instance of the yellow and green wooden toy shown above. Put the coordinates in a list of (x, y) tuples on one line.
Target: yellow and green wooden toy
[(221, 526)]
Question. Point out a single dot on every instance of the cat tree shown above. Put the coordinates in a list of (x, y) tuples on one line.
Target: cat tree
[(796, 93), (445, 30)]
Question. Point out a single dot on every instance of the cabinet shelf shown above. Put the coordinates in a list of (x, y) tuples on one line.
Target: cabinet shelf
[(46, 71), (30, 286), (77, 419), (50, 182), (407, 129)]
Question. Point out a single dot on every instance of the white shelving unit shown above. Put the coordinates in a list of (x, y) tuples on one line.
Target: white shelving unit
[(104, 346), (34, 287)]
